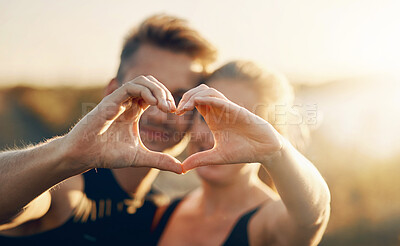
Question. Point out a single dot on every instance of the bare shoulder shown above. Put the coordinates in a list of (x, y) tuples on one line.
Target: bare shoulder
[(65, 197), (273, 225), (47, 211), (260, 228), (68, 190), (35, 210)]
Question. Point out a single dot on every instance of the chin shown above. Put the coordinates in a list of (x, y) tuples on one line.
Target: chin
[(222, 174), (218, 175), (159, 146)]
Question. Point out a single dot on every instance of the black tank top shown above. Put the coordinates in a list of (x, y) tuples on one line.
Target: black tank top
[(101, 218), (237, 237)]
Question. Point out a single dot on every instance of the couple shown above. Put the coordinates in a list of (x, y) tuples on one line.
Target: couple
[(105, 204)]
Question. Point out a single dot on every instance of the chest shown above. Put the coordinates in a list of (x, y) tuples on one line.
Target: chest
[(197, 230)]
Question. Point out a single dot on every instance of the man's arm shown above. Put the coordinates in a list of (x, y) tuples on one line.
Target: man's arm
[(106, 137), (25, 174)]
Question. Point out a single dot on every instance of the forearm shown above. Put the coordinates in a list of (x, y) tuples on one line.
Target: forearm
[(27, 173), (301, 187)]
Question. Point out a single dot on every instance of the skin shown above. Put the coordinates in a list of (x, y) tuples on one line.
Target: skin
[(107, 137), (207, 215), (159, 131)]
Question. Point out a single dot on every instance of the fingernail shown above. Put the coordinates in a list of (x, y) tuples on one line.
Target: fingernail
[(172, 106), (166, 104), (183, 170), (178, 110)]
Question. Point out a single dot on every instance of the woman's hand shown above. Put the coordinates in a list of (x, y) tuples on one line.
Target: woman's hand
[(239, 135), (108, 136)]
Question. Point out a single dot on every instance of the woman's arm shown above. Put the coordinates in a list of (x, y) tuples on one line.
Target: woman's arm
[(242, 137), (304, 194)]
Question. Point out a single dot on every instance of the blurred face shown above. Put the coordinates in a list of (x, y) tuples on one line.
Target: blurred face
[(202, 139), (159, 130), (238, 92)]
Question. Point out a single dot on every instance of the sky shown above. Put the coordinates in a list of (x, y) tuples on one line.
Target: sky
[(73, 42)]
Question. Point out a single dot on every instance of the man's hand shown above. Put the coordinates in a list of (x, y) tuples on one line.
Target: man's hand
[(108, 136), (240, 136)]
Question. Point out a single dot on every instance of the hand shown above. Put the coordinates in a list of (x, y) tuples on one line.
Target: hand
[(108, 136), (239, 135)]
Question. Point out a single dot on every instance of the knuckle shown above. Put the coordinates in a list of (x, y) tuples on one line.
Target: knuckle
[(203, 86), (161, 91), (184, 97), (128, 84), (139, 78), (214, 91), (150, 77)]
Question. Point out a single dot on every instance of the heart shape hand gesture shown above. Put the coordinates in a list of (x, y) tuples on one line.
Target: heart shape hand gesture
[(108, 136), (239, 135)]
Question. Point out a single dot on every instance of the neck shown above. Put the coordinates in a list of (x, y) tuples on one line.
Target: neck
[(231, 197)]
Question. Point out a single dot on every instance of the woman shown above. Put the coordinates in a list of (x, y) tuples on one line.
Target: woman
[(233, 206)]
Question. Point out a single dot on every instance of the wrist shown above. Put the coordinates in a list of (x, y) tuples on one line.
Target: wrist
[(70, 162), (277, 156)]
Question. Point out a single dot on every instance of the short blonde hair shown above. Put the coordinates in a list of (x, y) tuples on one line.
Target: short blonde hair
[(170, 33)]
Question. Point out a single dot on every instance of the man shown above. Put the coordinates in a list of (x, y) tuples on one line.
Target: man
[(83, 209)]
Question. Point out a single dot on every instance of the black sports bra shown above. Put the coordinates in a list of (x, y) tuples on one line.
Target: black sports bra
[(238, 235)]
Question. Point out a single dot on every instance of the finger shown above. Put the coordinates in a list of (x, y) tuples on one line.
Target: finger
[(214, 102), (162, 161), (210, 103), (115, 104), (156, 90), (204, 158), (147, 96), (170, 98), (189, 94), (216, 109), (190, 104), (118, 107), (130, 90)]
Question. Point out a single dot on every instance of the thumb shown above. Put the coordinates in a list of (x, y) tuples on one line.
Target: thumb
[(204, 158), (162, 161)]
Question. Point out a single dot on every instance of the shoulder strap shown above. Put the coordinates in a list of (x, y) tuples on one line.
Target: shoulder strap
[(159, 229), (239, 235)]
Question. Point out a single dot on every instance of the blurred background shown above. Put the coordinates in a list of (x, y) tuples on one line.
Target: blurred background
[(342, 57)]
